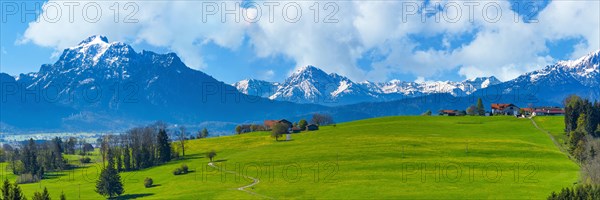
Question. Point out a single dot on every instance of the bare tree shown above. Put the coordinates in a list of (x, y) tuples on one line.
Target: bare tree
[(322, 119), (182, 139)]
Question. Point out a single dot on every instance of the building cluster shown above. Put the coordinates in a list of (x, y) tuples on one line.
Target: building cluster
[(511, 109)]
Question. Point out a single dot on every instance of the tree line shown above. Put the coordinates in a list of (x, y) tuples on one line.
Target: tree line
[(582, 128), (33, 159)]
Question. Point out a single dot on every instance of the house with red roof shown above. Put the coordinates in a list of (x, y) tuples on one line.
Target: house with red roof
[(504, 109)]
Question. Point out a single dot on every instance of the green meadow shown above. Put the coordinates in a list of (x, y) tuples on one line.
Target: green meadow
[(383, 158)]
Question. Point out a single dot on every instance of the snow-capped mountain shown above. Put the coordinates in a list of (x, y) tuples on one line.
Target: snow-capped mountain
[(555, 82), (310, 84), (414, 89), (256, 87), (108, 85)]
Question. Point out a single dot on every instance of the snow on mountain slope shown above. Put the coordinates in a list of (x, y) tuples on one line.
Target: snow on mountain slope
[(256, 87), (310, 84)]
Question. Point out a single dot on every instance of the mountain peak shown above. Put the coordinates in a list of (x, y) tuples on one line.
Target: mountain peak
[(95, 39), (308, 68), (588, 61)]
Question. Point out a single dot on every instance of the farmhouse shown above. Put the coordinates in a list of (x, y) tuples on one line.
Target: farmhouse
[(504, 109), (548, 111), (448, 112), (312, 127), (270, 123), (296, 129)]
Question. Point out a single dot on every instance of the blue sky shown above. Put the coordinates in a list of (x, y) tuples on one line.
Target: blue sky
[(368, 41)]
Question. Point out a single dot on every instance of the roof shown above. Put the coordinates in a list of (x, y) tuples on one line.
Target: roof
[(448, 111), (502, 106), (550, 110), (527, 109), (285, 121), (270, 123)]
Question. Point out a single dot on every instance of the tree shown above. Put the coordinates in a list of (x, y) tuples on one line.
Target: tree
[(16, 193), (203, 133), (70, 145), (41, 196), (182, 140), (480, 109), (238, 129), (471, 110), (126, 158), (211, 154), (302, 124), (322, 119), (87, 147), (278, 130), (427, 113), (6, 189), (29, 159), (109, 184), (164, 147)]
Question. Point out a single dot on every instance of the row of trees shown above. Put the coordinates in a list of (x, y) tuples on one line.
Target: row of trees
[(575, 108), (14, 192), (579, 192), (582, 127), (478, 110), (138, 148), (33, 159)]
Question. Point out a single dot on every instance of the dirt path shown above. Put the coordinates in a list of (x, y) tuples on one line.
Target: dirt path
[(560, 147), (255, 181)]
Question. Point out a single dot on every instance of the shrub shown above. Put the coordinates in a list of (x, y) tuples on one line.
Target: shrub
[(85, 160), (177, 171), (148, 182), (181, 170), (184, 168)]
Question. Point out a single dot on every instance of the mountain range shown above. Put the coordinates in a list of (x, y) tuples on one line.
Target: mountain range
[(99, 85), (310, 84)]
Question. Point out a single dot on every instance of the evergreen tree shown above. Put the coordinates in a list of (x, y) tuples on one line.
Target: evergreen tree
[(6, 189), (109, 184), (480, 109), (126, 158), (164, 147), (29, 159), (16, 193), (41, 196)]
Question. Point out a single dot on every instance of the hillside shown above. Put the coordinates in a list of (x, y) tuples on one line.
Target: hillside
[(374, 158)]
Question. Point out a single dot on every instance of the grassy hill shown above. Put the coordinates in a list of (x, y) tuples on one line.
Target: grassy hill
[(391, 157)]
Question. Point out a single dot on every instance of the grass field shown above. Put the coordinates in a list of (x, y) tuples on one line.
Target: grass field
[(383, 158), (555, 125)]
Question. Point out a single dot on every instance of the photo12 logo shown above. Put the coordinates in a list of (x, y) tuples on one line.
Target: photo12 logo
[(253, 12), (69, 11)]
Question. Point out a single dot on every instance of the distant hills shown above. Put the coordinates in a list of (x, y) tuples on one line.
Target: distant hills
[(107, 86)]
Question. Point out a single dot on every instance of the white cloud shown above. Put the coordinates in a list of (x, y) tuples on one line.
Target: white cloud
[(503, 48), (267, 75)]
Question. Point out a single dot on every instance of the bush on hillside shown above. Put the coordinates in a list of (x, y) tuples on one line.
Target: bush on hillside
[(181, 170), (148, 182)]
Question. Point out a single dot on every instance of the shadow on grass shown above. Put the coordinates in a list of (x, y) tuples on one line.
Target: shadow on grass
[(192, 156), (155, 185), (133, 196), (220, 160)]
